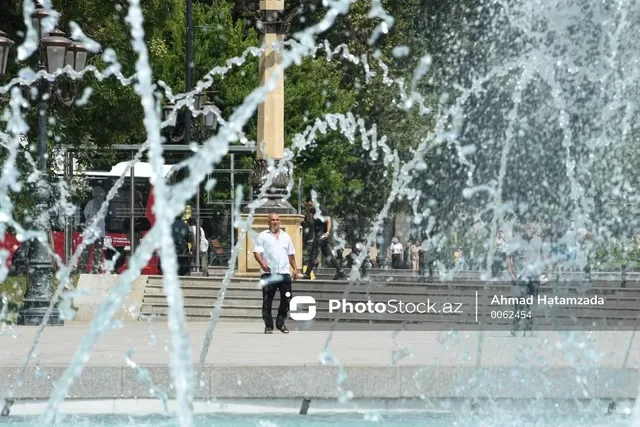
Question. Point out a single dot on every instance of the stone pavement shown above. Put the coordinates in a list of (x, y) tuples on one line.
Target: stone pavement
[(245, 363)]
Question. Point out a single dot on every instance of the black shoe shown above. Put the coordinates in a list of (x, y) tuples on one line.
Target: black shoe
[(268, 330), (306, 277), (283, 329), (340, 276)]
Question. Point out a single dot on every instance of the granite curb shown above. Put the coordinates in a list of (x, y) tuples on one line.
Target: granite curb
[(322, 382)]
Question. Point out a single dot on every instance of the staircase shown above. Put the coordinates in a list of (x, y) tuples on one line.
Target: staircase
[(243, 299)]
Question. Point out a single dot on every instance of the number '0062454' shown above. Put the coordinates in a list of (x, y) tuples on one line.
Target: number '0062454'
[(507, 314)]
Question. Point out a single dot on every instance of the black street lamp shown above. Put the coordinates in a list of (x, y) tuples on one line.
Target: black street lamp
[(5, 45), (55, 52), (198, 130)]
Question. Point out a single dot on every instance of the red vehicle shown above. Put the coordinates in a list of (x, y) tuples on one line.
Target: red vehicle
[(117, 222)]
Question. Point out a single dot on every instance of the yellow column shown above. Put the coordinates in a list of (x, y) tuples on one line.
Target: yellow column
[(271, 111), (271, 142)]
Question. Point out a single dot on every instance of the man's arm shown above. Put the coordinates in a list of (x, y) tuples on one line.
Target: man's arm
[(291, 251), (257, 254), (292, 263), (327, 233), (263, 264)]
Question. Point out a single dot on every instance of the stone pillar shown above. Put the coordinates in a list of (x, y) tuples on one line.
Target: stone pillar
[(271, 143)]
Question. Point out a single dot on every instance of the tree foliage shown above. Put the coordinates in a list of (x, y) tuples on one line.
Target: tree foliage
[(350, 183)]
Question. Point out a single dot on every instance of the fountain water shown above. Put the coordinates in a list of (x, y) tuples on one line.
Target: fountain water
[(540, 122)]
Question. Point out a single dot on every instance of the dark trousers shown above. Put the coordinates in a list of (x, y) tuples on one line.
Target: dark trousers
[(425, 265), (97, 255), (526, 286), (317, 246), (184, 265), (499, 263), (395, 261), (275, 282)]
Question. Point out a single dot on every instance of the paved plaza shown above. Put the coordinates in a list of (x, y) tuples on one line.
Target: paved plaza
[(245, 363)]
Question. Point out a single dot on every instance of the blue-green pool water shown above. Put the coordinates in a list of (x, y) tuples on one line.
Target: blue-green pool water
[(334, 420)]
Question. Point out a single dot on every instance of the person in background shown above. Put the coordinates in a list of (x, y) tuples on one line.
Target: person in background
[(356, 251), (458, 259), (406, 255), (204, 246), (583, 251), (500, 256), (396, 253), (373, 256), (322, 237), (275, 253), (414, 253), (181, 239), (90, 211), (526, 263), (558, 248), (427, 257), (141, 222), (138, 205)]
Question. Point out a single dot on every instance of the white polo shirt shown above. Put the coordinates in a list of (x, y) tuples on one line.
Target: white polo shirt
[(275, 251), (396, 248)]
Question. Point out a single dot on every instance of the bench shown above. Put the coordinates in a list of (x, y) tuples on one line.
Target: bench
[(218, 254)]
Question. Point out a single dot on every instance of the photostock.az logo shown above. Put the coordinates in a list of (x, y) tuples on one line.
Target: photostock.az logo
[(302, 300)]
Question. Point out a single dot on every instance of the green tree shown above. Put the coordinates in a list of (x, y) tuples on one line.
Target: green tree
[(352, 186)]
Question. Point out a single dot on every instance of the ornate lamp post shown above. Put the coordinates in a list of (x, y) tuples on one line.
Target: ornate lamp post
[(55, 52), (197, 130)]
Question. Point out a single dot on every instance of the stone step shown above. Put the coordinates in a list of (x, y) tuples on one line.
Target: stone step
[(415, 280), (205, 301), (247, 289), (330, 284), (462, 275), (335, 292), (243, 298), (203, 318), (366, 293), (341, 292), (244, 306), (573, 275), (569, 319), (394, 279), (626, 305)]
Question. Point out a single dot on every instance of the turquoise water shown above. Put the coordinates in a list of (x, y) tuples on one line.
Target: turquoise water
[(351, 420)]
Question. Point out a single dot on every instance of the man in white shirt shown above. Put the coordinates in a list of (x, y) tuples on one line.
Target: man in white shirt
[(204, 246), (274, 251), (396, 253)]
